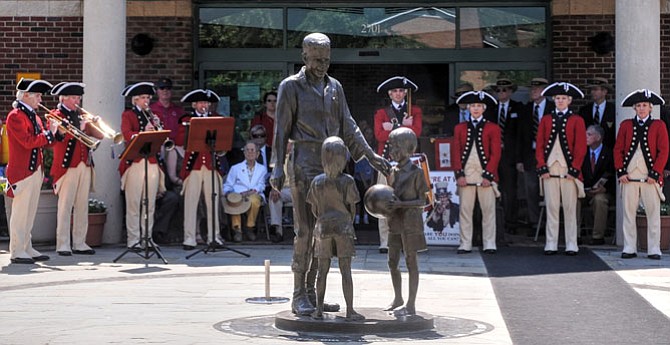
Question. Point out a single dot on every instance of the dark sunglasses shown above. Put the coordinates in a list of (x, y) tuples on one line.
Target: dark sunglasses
[(256, 136), (271, 101), (165, 88), (504, 89)]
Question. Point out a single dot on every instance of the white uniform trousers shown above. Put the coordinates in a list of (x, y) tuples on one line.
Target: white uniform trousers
[(555, 191), (276, 208), (487, 200), (24, 209), (631, 193), (382, 222), (132, 183), (200, 181), (72, 190)]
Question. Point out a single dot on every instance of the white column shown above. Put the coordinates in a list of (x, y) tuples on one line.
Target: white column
[(104, 73), (638, 62)]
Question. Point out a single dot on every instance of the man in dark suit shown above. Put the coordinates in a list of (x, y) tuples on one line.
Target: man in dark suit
[(506, 116), (456, 113), (598, 172), (600, 111), (529, 119)]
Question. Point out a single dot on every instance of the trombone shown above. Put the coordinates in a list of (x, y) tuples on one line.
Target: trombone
[(101, 126), (156, 122), (65, 126)]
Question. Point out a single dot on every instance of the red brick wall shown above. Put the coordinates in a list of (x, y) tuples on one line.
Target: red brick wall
[(51, 46), (573, 59), (665, 56), (172, 55)]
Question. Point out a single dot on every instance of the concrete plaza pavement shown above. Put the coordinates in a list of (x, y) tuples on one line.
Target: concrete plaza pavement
[(92, 300)]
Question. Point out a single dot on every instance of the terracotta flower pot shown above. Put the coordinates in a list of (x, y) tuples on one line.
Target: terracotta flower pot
[(642, 232), (96, 226)]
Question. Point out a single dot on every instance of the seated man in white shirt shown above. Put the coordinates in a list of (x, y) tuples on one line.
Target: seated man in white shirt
[(248, 179), (275, 199)]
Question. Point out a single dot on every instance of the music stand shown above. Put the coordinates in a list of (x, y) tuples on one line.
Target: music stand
[(212, 134), (144, 145)]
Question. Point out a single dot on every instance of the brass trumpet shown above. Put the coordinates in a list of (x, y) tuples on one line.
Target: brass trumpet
[(90, 142), (156, 122), (101, 126)]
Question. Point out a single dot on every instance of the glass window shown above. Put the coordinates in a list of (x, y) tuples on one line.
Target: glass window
[(485, 79), (398, 27), (503, 27), (241, 28)]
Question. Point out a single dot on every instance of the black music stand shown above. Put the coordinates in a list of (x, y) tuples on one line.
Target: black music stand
[(213, 134), (144, 145)]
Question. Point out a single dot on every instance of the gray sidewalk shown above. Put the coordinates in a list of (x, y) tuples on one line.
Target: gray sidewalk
[(91, 300)]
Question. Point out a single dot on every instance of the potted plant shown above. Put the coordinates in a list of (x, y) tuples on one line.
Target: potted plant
[(665, 227), (97, 216)]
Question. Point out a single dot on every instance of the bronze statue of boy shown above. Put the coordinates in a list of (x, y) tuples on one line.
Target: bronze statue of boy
[(405, 218), (333, 196)]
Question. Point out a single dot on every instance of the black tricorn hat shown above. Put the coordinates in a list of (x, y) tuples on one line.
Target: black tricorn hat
[(477, 97), (68, 89), (33, 85), (200, 95), (642, 95), (397, 82), (141, 88), (562, 88)]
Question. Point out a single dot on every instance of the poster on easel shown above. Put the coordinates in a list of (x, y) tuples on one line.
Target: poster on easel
[(441, 225)]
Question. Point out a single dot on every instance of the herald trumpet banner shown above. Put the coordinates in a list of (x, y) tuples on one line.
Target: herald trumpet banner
[(100, 126), (156, 122), (65, 126)]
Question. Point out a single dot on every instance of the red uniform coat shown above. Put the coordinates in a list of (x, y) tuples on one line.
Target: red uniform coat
[(132, 122), (653, 138), (69, 152), (382, 116), (485, 138), (25, 147), (193, 160), (572, 138)]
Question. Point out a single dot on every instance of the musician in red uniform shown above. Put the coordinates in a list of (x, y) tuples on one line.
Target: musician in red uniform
[(196, 172), (72, 171), (137, 119), (560, 151), (477, 148), (26, 137), (399, 113), (640, 154)]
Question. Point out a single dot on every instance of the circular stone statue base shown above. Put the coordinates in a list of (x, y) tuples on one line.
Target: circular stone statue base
[(376, 321)]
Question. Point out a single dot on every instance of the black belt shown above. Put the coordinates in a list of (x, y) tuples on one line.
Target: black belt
[(559, 176), (641, 180)]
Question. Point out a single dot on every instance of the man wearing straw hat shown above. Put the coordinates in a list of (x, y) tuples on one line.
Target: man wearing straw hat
[(640, 155), (72, 171), (248, 179), (560, 151), (26, 137), (600, 111)]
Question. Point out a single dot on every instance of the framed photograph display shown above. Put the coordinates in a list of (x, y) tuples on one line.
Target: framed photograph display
[(443, 154)]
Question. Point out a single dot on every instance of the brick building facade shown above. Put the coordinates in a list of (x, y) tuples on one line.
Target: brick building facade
[(49, 41)]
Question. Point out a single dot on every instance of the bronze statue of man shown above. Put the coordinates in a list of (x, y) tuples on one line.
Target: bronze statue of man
[(311, 107)]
